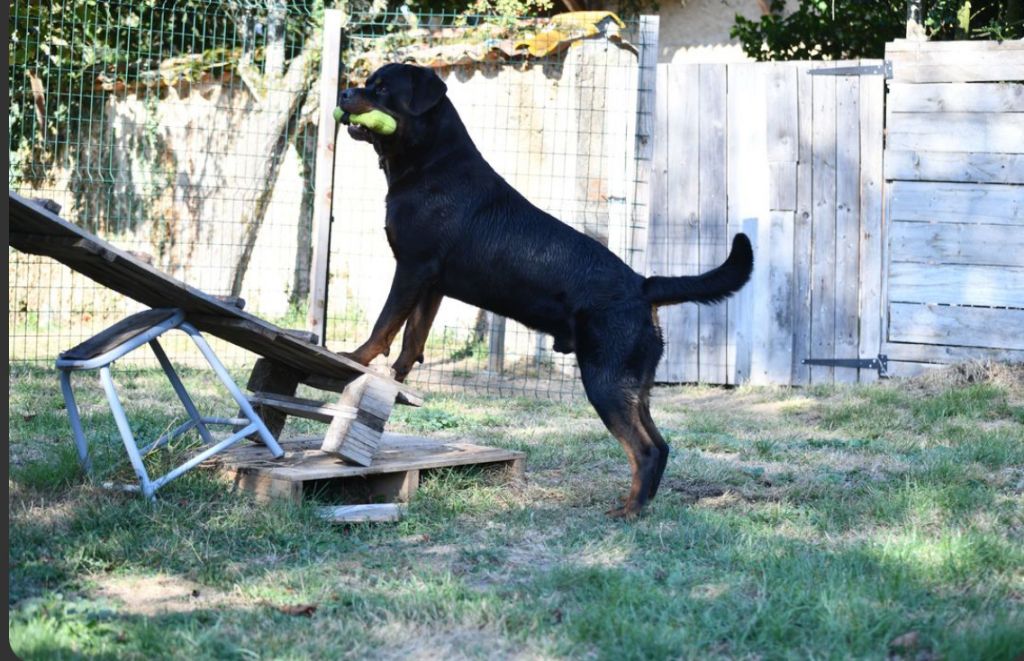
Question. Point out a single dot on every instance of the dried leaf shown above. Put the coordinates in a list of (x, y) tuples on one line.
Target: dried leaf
[(305, 610)]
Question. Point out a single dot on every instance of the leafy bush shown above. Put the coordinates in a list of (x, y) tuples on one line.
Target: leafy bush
[(845, 29)]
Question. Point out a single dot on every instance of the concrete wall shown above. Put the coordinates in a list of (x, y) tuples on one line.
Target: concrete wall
[(698, 30)]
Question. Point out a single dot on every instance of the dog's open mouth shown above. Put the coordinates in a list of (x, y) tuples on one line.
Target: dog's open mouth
[(356, 131)]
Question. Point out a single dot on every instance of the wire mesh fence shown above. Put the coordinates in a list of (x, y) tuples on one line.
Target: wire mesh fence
[(183, 131), (553, 107), (187, 132)]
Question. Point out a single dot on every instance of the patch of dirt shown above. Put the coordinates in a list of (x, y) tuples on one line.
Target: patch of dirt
[(694, 491), (24, 506), (153, 595)]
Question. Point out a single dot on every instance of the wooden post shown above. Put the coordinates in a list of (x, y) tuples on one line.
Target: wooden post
[(496, 344), (272, 377), (356, 439), (330, 64)]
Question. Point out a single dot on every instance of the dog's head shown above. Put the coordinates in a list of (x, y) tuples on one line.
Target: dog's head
[(405, 92)]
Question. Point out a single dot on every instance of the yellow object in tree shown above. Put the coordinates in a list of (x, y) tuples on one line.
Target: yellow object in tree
[(569, 27)]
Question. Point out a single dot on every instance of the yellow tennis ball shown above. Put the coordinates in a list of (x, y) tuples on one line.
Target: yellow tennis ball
[(376, 121)]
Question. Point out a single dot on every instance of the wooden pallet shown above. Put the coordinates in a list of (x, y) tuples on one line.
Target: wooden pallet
[(393, 477)]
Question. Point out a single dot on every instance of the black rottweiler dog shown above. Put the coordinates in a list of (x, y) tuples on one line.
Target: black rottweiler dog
[(458, 229)]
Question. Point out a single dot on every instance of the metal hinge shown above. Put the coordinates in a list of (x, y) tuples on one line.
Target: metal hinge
[(883, 69), (881, 363)]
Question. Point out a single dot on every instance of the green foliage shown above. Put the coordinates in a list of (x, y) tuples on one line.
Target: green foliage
[(843, 29)]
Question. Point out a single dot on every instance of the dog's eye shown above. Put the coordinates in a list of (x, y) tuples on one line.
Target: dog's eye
[(381, 90)]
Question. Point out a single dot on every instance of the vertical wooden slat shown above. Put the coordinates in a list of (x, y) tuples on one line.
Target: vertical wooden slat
[(773, 356), (323, 183), (713, 175), (495, 343), (657, 234), (847, 283), (682, 238), (772, 353), (823, 229), (748, 311), (872, 97), (802, 243), (781, 108)]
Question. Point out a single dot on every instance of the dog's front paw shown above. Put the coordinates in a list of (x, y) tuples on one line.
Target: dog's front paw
[(627, 512), (355, 357)]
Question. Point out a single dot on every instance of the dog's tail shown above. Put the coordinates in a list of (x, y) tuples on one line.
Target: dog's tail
[(716, 285)]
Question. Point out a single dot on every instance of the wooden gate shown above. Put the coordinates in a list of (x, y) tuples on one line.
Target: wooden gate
[(954, 165), (791, 154)]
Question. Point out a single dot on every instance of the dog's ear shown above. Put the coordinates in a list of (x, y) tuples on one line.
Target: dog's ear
[(427, 91)]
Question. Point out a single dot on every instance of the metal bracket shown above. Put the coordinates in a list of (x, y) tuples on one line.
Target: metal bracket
[(883, 69), (881, 363)]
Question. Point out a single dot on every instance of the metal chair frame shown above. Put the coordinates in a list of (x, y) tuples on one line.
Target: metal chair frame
[(249, 421)]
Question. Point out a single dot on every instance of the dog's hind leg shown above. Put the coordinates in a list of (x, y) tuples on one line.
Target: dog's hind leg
[(617, 366), (416, 330), (659, 441)]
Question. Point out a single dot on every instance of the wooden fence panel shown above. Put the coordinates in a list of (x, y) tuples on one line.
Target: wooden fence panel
[(823, 192), (955, 97), (794, 160), (802, 228), (993, 168), (960, 132), (955, 245), (747, 192), (678, 240), (772, 336), (713, 333), (945, 202), (848, 220), (872, 99), (958, 326), (955, 61)]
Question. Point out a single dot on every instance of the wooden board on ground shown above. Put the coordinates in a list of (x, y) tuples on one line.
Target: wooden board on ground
[(393, 476), (378, 513)]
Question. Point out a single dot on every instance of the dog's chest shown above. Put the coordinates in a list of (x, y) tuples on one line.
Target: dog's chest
[(415, 227)]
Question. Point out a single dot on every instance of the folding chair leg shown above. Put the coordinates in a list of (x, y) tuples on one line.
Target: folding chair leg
[(126, 432), (76, 422), (229, 383), (179, 388)]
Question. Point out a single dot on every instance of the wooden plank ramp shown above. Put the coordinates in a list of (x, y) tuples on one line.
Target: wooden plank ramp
[(37, 230), (393, 477)]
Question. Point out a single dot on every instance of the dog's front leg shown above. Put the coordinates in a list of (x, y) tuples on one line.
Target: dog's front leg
[(416, 330), (407, 289)]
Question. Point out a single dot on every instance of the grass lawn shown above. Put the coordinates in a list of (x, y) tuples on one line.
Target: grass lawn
[(856, 522)]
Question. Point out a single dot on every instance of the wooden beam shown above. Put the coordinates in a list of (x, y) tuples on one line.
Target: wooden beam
[(357, 438), (323, 187)]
